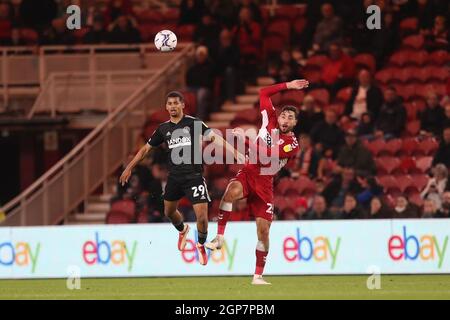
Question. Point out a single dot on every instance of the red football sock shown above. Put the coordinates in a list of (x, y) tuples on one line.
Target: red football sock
[(260, 261), (222, 221)]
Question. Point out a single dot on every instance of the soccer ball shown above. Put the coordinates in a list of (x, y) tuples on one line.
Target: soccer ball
[(165, 40)]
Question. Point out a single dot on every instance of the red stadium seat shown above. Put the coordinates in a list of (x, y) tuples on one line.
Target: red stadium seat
[(190, 100), (428, 146), (142, 217), (158, 116), (281, 28), (387, 182), (416, 199), (317, 62), (424, 163), (399, 58), (438, 57), (283, 185), (321, 96), (405, 182), (299, 25), (365, 60), (418, 58), (344, 94), (281, 202), (408, 164), (293, 96), (376, 146), (413, 128), (387, 165), (411, 111), (437, 73), (185, 32), (413, 42), (420, 181), (273, 44), (128, 207), (314, 76), (117, 217), (409, 24), (392, 147), (409, 145), (384, 76)]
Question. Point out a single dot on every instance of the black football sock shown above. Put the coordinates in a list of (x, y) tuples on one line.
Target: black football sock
[(179, 226), (202, 237)]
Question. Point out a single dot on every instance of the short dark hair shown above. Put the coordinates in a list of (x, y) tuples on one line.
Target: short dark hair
[(175, 94), (290, 108)]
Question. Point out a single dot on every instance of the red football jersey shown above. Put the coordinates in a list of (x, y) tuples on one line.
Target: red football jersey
[(286, 144)]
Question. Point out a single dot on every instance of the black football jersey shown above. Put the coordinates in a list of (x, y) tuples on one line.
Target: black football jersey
[(184, 144)]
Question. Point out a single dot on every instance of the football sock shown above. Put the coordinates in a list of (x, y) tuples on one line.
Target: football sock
[(261, 255), (224, 215)]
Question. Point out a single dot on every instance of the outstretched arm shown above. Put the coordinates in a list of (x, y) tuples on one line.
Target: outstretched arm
[(140, 155), (266, 92)]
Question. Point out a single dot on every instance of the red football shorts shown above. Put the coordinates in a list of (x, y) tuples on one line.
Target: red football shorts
[(259, 193)]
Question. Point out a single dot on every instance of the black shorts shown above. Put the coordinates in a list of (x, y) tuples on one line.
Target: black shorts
[(193, 187)]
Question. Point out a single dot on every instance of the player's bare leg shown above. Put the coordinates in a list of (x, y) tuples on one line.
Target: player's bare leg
[(233, 192), (201, 212), (171, 212), (262, 249)]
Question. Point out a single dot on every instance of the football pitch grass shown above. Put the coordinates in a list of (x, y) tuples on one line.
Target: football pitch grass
[(234, 288)]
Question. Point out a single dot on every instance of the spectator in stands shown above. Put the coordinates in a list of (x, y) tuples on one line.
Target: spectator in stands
[(307, 160), (253, 7), (206, 33), (366, 97), (404, 209), (438, 38), (432, 118), (366, 127), (96, 34), (328, 30), (386, 39), (227, 66), (301, 208), (224, 11), (341, 184), (248, 37), (443, 153), (379, 210), (285, 68), (350, 209), (430, 209), (57, 34), (326, 134), (200, 80), (437, 185), (354, 154), (445, 209), (309, 115), (117, 8), (327, 165), (446, 121), (369, 190), (392, 118), (319, 209), (191, 11), (38, 14), (123, 30), (5, 24), (339, 71)]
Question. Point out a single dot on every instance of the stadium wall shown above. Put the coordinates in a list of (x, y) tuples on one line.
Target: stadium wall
[(297, 247)]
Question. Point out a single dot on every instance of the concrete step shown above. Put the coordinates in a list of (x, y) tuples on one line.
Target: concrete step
[(106, 197), (237, 107), (247, 98), (97, 207), (218, 124), (265, 81), (253, 89), (222, 116)]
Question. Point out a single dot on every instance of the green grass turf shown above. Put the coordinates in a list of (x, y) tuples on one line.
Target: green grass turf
[(288, 287)]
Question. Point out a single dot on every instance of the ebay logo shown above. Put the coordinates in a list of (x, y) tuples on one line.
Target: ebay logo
[(225, 255), (21, 254), (412, 247), (303, 248), (102, 252)]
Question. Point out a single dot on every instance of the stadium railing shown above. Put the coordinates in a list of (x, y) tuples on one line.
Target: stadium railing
[(69, 182)]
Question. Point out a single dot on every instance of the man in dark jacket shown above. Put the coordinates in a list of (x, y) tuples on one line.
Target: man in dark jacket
[(354, 154), (319, 209), (326, 134), (431, 119), (342, 184), (392, 118), (443, 153), (366, 97)]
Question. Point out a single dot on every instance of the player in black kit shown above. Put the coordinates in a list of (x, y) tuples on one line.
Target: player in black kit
[(183, 134)]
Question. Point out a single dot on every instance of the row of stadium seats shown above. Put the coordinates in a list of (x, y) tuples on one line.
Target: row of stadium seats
[(402, 147)]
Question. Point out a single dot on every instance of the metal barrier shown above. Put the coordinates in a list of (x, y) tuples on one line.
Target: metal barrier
[(61, 189)]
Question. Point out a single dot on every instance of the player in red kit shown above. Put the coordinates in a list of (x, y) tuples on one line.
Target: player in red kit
[(255, 180)]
